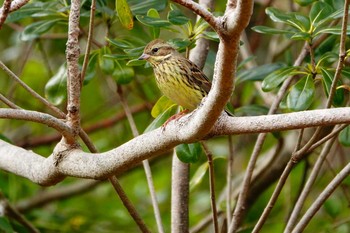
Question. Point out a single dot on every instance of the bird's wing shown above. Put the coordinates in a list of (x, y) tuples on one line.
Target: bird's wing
[(199, 77)]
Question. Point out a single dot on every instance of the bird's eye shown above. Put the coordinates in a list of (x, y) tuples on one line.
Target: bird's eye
[(154, 50)]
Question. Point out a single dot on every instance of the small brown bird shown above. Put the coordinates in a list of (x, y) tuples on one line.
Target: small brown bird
[(178, 78)]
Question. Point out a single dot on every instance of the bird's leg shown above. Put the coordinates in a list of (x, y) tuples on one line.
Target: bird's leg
[(175, 117)]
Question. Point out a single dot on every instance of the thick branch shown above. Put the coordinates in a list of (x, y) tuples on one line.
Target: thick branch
[(73, 73), (279, 122), (237, 16), (77, 163), (225, 66)]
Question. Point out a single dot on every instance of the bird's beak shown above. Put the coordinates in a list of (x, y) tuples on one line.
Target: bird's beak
[(144, 57)]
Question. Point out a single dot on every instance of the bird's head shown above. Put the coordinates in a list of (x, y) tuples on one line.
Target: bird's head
[(157, 51)]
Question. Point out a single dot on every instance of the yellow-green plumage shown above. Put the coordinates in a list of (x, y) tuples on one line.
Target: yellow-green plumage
[(177, 77)]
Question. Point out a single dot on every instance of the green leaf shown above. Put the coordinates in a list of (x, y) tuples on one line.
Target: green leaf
[(106, 64), (153, 22), (301, 94), (141, 7), (189, 153), (120, 56), (335, 15), (304, 36), (134, 51), (181, 44), (327, 58), (34, 10), (155, 31), (161, 119), (56, 87), (335, 30), (258, 73), (136, 62), (344, 137), (211, 36), (293, 19), (36, 29), (318, 12), (270, 30), (303, 21), (124, 14), (198, 175), (123, 74), (346, 72), (274, 79), (278, 16), (327, 79), (162, 105), (120, 43), (176, 17)]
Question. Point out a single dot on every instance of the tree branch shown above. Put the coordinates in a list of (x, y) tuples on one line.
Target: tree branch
[(179, 195), (5, 9), (7, 209), (201, 11), (16, 4), (46, 171), (38, 117), (31, 91), (73, 73), (316, 205)]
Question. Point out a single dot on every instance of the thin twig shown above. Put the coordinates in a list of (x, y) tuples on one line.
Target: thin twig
[(13, 213), (312, 141), (229, 181), (211, 186), (45, 57), (342, 54), (241, 203), (73, 93), (128, 205), (8, 102), (145, 163), (343, 187), (57, 111), (316, 205), (89, 39), (205, 222), (326, 138), (313, 175)]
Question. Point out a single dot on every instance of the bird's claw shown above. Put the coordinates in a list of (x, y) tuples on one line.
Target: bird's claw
[(174, 117)]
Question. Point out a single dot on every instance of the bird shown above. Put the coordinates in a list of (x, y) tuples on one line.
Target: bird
[(178, 78)]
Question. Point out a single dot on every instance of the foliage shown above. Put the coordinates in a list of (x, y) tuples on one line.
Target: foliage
[(33, 44)]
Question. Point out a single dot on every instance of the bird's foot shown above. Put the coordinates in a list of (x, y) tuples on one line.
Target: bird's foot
[(175, 117)]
